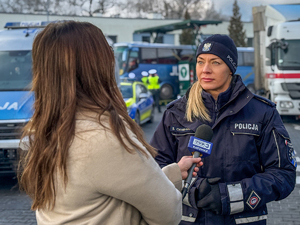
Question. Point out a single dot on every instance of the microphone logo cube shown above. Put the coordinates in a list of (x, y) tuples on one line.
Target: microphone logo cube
[(199, 145)]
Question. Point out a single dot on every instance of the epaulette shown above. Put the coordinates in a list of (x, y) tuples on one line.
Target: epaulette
[(264, 100), (172, 103)]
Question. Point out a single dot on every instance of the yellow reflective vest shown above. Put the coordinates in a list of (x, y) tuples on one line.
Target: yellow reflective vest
[(153, 82), (144, 80)]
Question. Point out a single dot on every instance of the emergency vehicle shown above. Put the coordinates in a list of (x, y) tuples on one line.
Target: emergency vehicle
[(16, 100), (277, 62)]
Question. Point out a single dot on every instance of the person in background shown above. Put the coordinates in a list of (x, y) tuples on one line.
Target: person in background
[(145, 78), (252, 160), (86, 160), (132, 65), (154, 87)]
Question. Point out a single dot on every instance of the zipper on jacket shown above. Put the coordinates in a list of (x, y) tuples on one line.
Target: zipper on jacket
[(216, 110)]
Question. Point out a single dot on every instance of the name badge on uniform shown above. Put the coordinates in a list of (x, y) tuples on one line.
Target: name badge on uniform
[(181, 130)]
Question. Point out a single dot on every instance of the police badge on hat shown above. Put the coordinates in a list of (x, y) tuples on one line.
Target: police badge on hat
[(206, 47)]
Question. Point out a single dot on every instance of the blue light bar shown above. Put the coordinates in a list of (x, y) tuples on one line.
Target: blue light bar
[(26, 24)]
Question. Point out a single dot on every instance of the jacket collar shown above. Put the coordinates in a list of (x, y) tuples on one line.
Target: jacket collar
[(237, 90)]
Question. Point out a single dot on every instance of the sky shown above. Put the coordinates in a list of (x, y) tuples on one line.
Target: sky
[(225, 6)]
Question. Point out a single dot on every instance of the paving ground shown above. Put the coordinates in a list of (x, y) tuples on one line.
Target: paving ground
[(15, 206)]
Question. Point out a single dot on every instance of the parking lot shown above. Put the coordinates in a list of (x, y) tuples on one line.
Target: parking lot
[(15, 205)]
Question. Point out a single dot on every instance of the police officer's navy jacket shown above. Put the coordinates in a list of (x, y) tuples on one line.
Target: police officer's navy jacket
[(252, 153)]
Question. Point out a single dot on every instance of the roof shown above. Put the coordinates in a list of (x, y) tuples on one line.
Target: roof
[(151, 45), (177, 26), (290, 12)]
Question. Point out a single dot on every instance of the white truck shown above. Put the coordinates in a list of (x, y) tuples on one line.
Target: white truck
[(277, 56)]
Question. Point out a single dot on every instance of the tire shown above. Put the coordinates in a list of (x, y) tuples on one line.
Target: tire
[(166, 92), (137, 118)]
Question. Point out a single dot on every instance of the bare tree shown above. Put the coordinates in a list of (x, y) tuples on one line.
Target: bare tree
[(90, 7), (170, 9), (29, 6)]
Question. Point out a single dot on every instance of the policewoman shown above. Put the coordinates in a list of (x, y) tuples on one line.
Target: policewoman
[(252, 160), (154, 87)]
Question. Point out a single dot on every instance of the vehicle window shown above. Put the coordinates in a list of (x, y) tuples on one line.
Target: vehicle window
[(138, 90), (133, 60), (240, 59), (186, 54), (126, 91), (167, 56), (143, 89), (15, 70), (289, 57), (149, 55), (249, 58), (121, 54)]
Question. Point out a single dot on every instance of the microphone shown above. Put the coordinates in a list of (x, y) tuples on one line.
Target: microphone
[(199, 145)]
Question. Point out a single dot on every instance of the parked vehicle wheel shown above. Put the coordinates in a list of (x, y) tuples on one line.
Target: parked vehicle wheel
[(166, 91)]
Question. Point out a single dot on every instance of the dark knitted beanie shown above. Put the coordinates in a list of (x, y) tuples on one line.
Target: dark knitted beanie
[(222, 46)]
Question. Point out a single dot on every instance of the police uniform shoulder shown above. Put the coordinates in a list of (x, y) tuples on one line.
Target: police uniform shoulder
[(264, 100), (172, 103)]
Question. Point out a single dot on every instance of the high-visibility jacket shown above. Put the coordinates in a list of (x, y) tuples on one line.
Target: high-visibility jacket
[(144, 80), (153, 82)]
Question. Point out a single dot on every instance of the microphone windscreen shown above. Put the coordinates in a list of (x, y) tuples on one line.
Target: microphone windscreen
[(204, 132)]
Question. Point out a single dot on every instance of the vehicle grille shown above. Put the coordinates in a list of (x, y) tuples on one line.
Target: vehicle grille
[(8, 161), (11, 130), (293, 89)]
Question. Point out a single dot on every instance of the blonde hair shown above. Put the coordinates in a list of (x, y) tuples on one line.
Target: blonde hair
[(195, 107)]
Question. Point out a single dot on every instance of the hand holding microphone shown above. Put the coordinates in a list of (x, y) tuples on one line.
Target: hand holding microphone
[(185, 164), (199, 145)]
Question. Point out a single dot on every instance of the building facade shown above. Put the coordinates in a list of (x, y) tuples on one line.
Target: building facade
[(122, 29)]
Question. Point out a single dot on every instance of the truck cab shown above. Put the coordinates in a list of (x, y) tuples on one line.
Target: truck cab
[(283, 67), (277, 65)]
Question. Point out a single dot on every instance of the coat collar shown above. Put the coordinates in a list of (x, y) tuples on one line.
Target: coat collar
[(233, 100)]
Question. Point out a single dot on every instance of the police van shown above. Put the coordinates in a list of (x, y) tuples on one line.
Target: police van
[(16, 100)]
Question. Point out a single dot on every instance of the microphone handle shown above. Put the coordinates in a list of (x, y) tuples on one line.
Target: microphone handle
[(188, 180)]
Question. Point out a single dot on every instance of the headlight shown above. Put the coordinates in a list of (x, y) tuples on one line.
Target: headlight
[(286, 104)]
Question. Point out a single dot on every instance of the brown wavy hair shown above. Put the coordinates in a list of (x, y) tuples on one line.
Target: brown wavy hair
[(73, 70)]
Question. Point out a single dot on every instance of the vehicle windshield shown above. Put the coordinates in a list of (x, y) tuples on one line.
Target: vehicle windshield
[(15, 70), (289, 58), (121, 54), (126, 91)]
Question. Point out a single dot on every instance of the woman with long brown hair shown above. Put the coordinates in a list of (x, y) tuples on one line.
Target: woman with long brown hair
[(87, 161)]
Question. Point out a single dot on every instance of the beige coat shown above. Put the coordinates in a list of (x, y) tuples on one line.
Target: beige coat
[(109, 186)]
